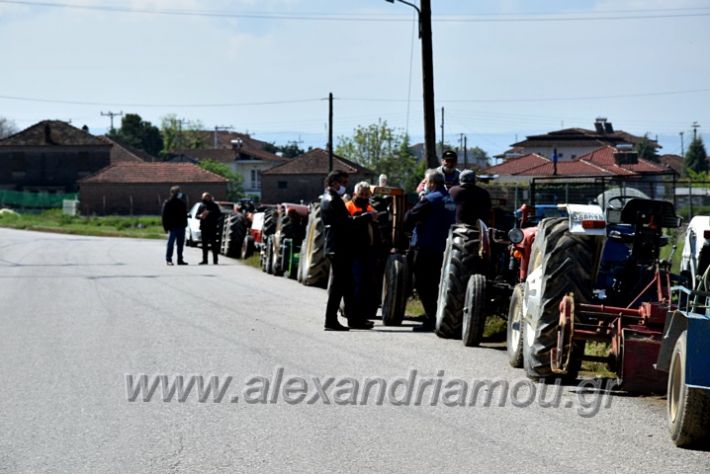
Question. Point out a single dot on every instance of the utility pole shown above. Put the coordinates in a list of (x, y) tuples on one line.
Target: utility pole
[(465, 152), (682, 148), (217, 129), (442, 129), (695, 126), (112, 115), (424, 11), (330, 132)]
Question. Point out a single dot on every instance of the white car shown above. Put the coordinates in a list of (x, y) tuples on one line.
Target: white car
[(193, 235)]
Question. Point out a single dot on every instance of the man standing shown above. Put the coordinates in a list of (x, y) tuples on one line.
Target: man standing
[(365, 244), (209, 215), (338, 226), (472, 202), (448, 169), (174, 217), (431, 219)]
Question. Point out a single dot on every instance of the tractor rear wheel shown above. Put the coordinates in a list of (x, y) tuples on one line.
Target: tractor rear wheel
[(474, 311), (560, 263), (395, 290), (514, 332), (688, 409), (461, 260), (247, 247), (314, 265)]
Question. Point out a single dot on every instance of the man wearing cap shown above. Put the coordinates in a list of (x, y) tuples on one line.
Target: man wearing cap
[(472, 202), (448, 169)]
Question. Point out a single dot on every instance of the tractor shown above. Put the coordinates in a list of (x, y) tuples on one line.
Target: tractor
[(282, 248), (609, 286)]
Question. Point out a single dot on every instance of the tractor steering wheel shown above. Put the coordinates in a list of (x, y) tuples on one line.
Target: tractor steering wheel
[(621, 198)]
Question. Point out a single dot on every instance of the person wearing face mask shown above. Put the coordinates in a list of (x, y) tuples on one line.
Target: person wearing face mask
[(338, 225), (429, 221), (365, 244), (209, 215), (448, 169)]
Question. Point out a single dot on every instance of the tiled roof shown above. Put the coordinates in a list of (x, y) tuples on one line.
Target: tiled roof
[(224, 139), (568, 168), (228, 155), (579, 136), (517, 165), (122, 153), (316, 162), (674, 162), (604, 157), (52, 132), (169, 173)]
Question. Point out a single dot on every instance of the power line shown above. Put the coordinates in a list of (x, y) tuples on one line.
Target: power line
[(123, 104), (601, 15)]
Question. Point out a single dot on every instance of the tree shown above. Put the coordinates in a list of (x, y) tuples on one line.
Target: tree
[(138, 133), (477, 157), (179, 134), (291, 150), (7, 127), (379, 148), (696, 158), (234, 188), (646, 149)]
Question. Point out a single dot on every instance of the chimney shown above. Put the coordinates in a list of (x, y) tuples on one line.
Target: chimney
[(625, 155), (237, 144), (85, 128), (47, 134)]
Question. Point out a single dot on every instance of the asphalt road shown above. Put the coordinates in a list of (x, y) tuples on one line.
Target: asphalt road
[(79, 313)]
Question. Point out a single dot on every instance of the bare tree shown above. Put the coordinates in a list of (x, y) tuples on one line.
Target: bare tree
[(7, 127)]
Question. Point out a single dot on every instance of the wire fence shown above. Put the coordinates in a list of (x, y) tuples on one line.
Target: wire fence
[(26, 200)]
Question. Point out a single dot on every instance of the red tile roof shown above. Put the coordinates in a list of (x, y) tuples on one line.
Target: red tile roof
[(316, 162), (228, 155), (121, 153), (52, 132), (169, 173), (604, 157), (517, 165)]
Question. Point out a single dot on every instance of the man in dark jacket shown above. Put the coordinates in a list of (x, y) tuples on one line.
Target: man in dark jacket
[(174, 217), (431, 219), (209, 215), (338, 228), (472, 202)]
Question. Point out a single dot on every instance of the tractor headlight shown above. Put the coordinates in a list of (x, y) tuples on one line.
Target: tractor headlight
[(515, 235)]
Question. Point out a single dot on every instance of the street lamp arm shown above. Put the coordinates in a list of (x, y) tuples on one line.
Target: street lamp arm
[(419, 12)]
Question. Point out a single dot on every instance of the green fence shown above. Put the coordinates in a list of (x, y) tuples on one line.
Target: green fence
[(30, 200)]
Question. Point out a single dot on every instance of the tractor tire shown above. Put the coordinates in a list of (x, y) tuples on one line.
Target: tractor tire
[(474, 311), (315, 267), (267, 259), (514, 332), (235, 228), (565, 263), (688, 409), (395, 290), (269, 226), (247, 247), (461, 260)]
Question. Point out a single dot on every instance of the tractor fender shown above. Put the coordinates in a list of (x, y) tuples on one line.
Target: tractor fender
[(697, 366), (586, 219)]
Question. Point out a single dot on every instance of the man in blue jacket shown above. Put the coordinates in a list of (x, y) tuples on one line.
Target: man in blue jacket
[(430, 219)]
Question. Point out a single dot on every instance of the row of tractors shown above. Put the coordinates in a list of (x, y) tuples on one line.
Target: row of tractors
[(563, 275)]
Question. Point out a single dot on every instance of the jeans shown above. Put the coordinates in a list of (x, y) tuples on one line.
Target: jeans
[(178, 234)]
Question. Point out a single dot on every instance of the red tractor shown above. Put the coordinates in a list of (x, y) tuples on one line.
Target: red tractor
[(282, 248)]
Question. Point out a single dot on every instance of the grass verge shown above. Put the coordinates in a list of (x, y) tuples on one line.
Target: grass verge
[(105, 226)]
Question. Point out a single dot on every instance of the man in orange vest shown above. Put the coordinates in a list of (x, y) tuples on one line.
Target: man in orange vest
[(364, 243)]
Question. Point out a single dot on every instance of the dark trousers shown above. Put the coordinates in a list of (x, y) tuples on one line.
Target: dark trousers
[(210, 241), (175, 235), (365, 294), (427, 272), (340, 287)]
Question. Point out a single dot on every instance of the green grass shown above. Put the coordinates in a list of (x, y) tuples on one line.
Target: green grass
[(107, 226), (253, 261)]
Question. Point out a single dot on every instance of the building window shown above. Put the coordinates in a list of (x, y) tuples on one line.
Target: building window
[(254, 178), (282, 184)]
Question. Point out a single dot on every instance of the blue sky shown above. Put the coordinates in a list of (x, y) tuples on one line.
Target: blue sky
[(502, 68)]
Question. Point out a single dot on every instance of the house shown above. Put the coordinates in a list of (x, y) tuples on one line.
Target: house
[(121, 152), (301, 179), (572, 143), (140, 188), (243, 154), (604, 161), (50, 156)]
